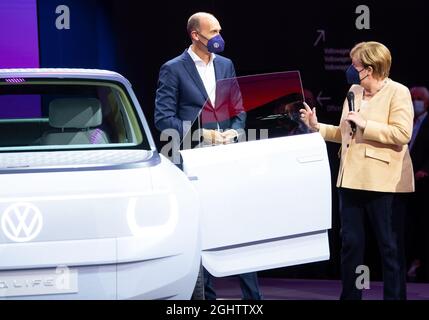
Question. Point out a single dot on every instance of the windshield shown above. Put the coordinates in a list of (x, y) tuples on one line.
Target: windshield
[(67, 114), (257, 107)]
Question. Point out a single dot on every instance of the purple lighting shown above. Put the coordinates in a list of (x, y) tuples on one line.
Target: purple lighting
[(15, 80), (19, 46)]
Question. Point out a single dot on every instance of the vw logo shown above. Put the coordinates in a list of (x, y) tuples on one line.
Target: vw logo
[(22, 222), (216, 45)]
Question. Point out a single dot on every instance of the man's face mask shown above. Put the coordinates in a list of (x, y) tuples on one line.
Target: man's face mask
[(352, 75), (419, 107), (215, 44)]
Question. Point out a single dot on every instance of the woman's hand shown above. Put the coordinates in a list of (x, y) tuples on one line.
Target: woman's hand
[(309, 117), (356, 118)]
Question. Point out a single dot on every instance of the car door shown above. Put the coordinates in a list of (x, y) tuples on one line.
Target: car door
[(266, 199)]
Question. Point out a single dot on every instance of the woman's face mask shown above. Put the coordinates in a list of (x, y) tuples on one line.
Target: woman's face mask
[(353, 75)]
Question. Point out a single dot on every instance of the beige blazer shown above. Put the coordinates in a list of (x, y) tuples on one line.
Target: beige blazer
[(376, 159)]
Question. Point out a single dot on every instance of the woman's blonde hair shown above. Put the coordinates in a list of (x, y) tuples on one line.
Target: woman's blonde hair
[(373, 54)]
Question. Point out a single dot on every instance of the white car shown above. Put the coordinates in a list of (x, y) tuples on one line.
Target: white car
[(89, 209)]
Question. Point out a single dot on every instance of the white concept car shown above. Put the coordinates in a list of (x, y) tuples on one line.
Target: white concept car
[(89, 209)]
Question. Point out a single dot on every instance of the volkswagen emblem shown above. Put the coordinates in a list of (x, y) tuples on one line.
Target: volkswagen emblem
[(21, 222)]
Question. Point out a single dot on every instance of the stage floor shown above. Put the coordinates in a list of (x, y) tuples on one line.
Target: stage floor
[(296, 289)]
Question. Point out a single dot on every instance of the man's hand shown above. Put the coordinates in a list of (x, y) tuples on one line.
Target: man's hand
[(229, 136), (213, 137)]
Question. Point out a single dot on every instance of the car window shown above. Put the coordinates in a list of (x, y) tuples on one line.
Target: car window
[(67, 114), (260, 106)]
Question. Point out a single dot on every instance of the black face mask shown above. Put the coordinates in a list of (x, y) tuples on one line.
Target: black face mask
[(352, 75)]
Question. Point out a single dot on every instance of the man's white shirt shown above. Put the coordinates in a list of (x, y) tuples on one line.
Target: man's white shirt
[(207, 74)]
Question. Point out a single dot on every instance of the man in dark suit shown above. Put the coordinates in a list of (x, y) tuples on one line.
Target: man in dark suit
[(189, 80), (186, 84), (419, 151)]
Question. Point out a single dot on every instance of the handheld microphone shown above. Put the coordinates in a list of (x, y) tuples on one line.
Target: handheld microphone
[(351, 101)]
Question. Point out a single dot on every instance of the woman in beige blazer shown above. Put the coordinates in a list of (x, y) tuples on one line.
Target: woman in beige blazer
[(375, 162)]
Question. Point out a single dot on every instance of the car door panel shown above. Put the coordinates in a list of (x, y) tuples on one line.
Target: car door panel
[(262, 201)]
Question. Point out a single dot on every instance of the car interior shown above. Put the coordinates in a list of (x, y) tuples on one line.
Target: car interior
[(49, 115)]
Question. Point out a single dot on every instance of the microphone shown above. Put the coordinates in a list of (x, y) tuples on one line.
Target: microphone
[(351, 101)]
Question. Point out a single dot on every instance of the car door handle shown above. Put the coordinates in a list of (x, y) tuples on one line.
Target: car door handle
[(310, 158), (194, 178)]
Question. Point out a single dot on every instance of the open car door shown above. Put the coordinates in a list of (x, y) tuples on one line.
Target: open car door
[(266, 199)]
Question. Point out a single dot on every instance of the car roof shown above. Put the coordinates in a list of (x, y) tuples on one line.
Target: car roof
[(61, 73)]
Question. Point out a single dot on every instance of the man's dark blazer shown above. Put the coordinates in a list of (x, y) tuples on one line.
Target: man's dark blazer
[(420, 150), (181, 94)]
